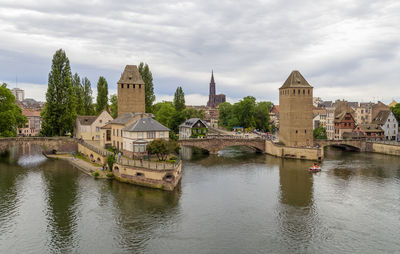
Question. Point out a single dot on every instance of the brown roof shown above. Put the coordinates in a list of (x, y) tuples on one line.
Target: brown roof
[(86, 120), (275, 109), (381, 117), (131, 75), (295, 79), (370, 127)]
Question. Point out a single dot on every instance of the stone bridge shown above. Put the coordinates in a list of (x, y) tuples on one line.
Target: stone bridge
[(59, 144), (348, 144), (213, 145)]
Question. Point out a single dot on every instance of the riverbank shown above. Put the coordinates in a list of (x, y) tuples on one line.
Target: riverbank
[(85, 167)]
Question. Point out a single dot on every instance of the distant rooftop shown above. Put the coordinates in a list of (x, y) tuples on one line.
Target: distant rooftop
[(131, 75), (145, 124)]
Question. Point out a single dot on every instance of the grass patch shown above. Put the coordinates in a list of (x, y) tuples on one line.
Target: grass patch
[(84, 158)]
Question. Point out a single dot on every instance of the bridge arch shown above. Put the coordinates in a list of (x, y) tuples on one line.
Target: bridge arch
[(351, 145)]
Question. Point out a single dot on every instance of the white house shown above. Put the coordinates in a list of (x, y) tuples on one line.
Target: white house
[(193, 127), (387, 121), (137, 135), (88, 127)]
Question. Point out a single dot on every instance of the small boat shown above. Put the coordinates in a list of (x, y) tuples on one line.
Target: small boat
[(315, 168)]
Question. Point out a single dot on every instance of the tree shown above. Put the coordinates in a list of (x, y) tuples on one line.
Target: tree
[(59, 114), (102, 95), (244, 111), (261, 115), (396, 111), (225, 114), (87, 97), (11, 116), (193, 113), (78, 94), (165, 112), (147, 77), (114, 105), (162, 148), (179, 99), (319, 133)]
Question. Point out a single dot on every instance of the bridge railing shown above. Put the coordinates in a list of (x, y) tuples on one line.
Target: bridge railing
[(95, 148), (387, 142), (229, 137)]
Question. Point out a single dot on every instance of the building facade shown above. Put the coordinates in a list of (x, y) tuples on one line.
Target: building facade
[(296, 111), (138, 134), (363, 113), (387, 121), (131, 91), (89, 127), (369, 131), (33, 125), (344, 122), (330, 125), (18, 93), (214, 99), (193, 127)]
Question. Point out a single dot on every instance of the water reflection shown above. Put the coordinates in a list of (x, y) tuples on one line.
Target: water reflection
[(62, 198), (143, 214)]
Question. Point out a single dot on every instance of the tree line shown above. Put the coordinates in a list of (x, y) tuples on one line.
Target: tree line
[(246, 113), (11, 116)]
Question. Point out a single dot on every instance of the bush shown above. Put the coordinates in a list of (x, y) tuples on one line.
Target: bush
[(96, 174), (110, 175), (110, 161)]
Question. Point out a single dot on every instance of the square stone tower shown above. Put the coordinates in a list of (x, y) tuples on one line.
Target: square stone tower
[(296, 105), (131, 95)]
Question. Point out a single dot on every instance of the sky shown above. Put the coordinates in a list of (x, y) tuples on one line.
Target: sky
[(346, 49)]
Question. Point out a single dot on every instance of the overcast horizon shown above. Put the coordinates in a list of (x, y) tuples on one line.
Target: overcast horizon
[(345, 49)]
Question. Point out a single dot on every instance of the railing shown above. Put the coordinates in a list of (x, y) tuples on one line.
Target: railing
[(230, 137), (149, 164), (34, 138), (95, 148)]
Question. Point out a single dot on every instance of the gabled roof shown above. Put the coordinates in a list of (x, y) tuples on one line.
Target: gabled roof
[(274, 109), (340, 116), (86, 120), (381, 117), (131, 75), (145, 124), (370, 127), (127, 117), (191, 122), (295, 79)]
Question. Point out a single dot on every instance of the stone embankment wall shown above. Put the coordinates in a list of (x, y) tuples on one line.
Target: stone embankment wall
[(47, 144), (92, 155), (293, 152), (386, 149)]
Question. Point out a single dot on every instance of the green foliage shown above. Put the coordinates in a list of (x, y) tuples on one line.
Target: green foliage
[(114, 105), (96, 174), (179, 99), (87, 97), (78, 94), (110, 175), (193, 113), (173, 136), (110, 161), (162, 148), (177, 118), (396, 111), (147, 77), (59, 114), (102, 95), (320, 133), (199, 132), (246, 113), (10, 114), (164, 113)]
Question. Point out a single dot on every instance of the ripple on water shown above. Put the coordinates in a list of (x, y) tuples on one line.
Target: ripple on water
[(31, 160)]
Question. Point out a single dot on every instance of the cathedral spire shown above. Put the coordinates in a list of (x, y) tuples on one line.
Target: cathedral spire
[(212, 77)]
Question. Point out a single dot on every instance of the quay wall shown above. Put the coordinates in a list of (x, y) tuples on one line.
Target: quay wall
[(293, 152), (386, 149), (92, 155)]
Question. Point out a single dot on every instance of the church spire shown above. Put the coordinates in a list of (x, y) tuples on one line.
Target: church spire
[(212, 77)]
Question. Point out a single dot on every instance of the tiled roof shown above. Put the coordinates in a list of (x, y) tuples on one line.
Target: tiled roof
[(191, 122), (295, 79), (86, 120), (370, 127), (381, 117), (145, 124), (127, 117), (131, 75), (29, 113)]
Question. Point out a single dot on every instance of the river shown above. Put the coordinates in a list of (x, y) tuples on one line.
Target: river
[(236, 202)]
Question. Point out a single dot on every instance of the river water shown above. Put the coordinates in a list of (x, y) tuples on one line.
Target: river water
[(233, 203)]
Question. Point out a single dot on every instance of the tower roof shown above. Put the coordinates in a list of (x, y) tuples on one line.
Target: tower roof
[(131, 75), (212, 77), (295, 79)]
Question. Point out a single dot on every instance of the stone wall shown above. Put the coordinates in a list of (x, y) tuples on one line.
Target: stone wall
[(386, 149), (293, 152), (92, 155), (48, 144)]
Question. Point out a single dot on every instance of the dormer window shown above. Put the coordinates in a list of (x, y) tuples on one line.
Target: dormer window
[(122, 85)]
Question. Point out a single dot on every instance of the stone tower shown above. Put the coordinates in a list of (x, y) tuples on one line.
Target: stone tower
[(131, 95), (296, 104)]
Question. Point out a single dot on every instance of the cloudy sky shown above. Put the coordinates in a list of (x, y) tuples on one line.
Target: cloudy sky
[(346, 49)]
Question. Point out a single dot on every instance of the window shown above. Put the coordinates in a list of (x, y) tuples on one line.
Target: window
[(117, 132), (83, 129), (296, 131), (140, 86), (113, 132), (133, 85), (308, 91), (294, 91), (140, 134), (122, 85), (161, 134), (151, 134), (97, 129), (304, 91), (127, 86), (100, 121), (305, 131), (97, 137)]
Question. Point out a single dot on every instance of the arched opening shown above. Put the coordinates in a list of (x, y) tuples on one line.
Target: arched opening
[(91, 157), (139, 174), (98, 160), (169, 177)]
